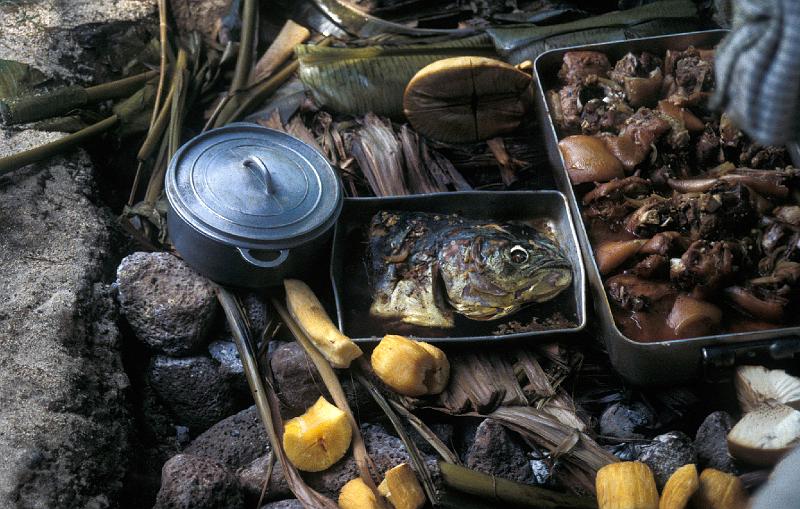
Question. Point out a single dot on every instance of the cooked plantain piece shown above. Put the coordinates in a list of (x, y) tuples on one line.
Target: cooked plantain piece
[(317, 439), (467, 99)]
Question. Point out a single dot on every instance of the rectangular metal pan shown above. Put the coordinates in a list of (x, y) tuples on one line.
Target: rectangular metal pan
[(665, 362), (349, 277)]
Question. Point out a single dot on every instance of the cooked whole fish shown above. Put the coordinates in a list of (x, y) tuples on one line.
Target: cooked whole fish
[(426, 267)]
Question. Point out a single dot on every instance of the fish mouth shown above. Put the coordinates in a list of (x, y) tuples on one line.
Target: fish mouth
[(557, 278)]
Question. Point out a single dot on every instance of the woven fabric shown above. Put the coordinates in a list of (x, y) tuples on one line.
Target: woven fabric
[(758, 70)]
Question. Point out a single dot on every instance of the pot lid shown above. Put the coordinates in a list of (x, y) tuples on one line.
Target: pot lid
[(249, 186)]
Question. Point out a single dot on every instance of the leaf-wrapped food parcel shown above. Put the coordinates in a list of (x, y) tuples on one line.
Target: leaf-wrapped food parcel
[(357, 81), (519, 43)]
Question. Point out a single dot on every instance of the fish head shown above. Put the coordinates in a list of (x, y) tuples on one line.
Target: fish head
[(493, 270)]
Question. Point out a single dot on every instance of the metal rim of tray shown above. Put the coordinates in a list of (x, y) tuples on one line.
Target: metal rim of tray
[(580, 290), (592, 271)]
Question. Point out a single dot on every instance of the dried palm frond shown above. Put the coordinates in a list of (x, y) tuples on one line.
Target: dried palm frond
[(266, 400), (577, 450)]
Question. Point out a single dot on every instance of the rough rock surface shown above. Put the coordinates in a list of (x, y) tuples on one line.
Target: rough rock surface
[(63, 427), (251, 480), (626, 420), (497, 452), (190, 482), (666, 454), (711, 442), (234, 442), (193, 390), (198, 15), (296, 380), (168, 305), (76, 40), (291, 503), (230, 365)]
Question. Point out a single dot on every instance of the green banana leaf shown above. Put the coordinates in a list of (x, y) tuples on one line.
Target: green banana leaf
[(357, 81), (519, 43), (18, 79)]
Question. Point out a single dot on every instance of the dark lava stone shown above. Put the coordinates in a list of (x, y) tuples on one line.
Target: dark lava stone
[(251, 480), (667, 453), (291, 503), (711, 442), (496, 451), (296, 379), (626, 420), (169, 306), (190, 482), (234, 441), (193, 390)]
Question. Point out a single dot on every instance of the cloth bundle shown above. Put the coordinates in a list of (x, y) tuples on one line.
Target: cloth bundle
[(758, 70)]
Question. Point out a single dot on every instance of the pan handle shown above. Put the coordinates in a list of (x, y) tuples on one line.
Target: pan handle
[(718, 360), (283, 254)]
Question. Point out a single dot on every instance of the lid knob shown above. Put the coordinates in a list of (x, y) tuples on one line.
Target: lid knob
[(263, 172)]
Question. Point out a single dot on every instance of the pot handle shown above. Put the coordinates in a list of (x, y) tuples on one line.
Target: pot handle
[(283, 254)]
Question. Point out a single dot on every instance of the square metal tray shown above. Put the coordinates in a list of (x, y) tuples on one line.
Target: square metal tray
[(662, 362), (349, 278)]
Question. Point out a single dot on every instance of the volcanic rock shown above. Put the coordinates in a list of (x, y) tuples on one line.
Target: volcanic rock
[(169, 306), (191, 482), (711, 442), (666, 454), (497, 452), (626, 420), (193, 390), (234, 442)]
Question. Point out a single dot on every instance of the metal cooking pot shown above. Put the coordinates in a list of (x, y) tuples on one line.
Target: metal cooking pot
[(250, 206)]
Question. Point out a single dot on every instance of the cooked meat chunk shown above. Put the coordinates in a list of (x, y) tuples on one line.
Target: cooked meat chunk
[(614, 200), (581, 64), (724, 211), (789, 214), (708, 266), (768, 158), (665, 243), (653, 216), (570, 107), (645, 127), (651, 267), (634, 66), (693, 74), (601, 116), (633, 293), (707, 148)]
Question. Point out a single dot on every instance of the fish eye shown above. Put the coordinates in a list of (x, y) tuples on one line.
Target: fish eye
[(518, 254)]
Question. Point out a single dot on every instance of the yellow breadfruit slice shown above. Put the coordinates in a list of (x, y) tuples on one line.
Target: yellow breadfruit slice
[(402, 489), (357, 495), (410, 367), (317, 439)]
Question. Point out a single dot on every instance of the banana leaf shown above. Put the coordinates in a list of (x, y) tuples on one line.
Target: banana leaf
[(18, 79), (519, 43), (357, 81)]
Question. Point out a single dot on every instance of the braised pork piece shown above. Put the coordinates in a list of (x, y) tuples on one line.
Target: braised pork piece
[(695, 228)]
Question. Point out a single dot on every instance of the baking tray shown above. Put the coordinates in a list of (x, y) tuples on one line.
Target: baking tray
[(663, 362), (349, 275)]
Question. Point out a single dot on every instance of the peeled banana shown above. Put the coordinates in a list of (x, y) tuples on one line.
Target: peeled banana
[(317, 439), (411, 368)]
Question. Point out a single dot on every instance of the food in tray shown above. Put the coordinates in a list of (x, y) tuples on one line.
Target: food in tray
[(424, 268), (695, 227)]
